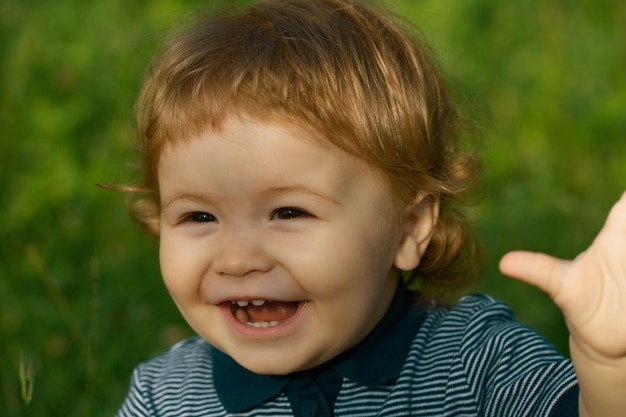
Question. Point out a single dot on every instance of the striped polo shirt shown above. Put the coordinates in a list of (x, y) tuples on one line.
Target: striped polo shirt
[(473, 359)]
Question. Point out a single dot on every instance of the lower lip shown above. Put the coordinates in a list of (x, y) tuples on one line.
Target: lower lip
[(281, 329)]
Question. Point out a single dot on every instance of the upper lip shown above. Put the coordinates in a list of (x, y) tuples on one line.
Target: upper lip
[(217, 293)]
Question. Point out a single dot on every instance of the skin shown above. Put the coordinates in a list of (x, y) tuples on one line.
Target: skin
[(260, 211), (591, 292), (269, 211)]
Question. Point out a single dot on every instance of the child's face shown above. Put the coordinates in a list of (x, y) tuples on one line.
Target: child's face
[(269, 212)]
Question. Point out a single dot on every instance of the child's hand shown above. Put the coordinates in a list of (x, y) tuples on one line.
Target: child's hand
[(591, 292)]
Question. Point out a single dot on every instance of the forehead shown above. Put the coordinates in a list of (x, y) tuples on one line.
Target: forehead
[(237, 123), (273, 145), (266, 155)]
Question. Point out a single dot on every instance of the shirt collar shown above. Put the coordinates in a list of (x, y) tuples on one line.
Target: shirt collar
[(377, 360)]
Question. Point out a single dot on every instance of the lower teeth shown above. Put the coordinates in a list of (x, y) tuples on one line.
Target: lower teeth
[(262, 323)]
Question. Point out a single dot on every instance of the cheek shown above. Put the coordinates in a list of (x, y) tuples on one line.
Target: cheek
[(176, 268), (339, 262), (374, 244)]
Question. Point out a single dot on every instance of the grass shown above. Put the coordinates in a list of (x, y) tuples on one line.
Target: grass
[(81, 302)]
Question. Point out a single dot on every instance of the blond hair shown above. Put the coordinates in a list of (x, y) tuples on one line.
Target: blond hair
[(348, 70)]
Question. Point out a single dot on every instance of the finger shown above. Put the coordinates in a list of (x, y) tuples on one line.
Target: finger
[(540, 270), (617, 215)]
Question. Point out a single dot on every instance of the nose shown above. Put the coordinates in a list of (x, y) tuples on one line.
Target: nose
[(240, 254)]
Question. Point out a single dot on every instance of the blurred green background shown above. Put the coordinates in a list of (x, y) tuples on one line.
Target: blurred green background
[(81, 301)]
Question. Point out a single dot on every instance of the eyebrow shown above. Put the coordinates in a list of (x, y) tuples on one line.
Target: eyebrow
[(275, 191), (182, 196), (303, 190)]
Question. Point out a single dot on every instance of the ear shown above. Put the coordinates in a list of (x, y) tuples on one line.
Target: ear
[(420, 217)]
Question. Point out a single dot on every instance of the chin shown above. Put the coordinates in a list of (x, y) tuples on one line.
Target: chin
[(271, 365), (272, 368)]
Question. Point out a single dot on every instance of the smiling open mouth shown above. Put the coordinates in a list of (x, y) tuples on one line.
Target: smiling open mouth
[(263, 313)]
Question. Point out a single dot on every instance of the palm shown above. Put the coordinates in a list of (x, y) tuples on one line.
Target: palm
[(590, 290)]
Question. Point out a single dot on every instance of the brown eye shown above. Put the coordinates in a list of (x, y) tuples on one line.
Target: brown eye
[(287, 213), (200, 217)]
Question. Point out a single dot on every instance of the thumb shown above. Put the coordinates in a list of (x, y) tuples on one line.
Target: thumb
[(538, 269)]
